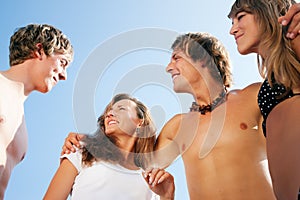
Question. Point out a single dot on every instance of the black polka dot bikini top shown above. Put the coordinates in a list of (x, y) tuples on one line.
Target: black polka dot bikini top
[(269, 97)]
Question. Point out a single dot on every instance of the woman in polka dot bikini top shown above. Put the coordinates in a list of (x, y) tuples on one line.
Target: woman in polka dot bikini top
[(256, 29), (269, 97)]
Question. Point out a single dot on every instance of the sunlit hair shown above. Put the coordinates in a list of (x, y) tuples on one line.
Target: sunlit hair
[(205, 47), (23, 43), (102, 147), (278, 62)]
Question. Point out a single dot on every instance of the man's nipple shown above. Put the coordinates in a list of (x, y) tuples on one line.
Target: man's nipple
[(243, 126), (2, 119)]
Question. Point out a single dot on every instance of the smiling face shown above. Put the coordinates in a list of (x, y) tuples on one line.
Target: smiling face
[(245, 30), (48, 71), (122, 118), (183, 72)]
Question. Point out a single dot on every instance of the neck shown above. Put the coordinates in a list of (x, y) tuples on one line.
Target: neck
[(126, 144), (128, 162), (127, 150), (215, 102), (206, 92)]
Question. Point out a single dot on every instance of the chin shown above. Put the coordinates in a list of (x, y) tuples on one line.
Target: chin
[(242, 52), (182, 88), (246, 51), (178, 90), (45, 89)]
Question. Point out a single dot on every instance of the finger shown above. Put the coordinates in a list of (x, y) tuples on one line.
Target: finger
[(295, 30), (68, 145), (79, 136), (65, 150), (159, 178), (285, 20), (155, 176), (294, 27), (146, 174), (292, 19), (165, 176), (149, 175), (62, 151), (73, 139)]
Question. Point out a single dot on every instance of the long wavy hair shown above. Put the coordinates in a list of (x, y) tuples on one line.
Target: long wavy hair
[(101, 147), (205, 47), (279, 62)]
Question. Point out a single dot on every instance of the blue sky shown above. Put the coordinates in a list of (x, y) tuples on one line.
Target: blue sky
[(94, 28)]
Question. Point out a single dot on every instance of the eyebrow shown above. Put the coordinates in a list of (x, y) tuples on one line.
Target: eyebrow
[(121, 105), (174, 55)]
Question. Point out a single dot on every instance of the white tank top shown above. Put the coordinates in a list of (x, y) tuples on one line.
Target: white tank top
[(108, 181)]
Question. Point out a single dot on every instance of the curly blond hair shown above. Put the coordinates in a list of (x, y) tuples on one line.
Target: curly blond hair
[(24, 42)]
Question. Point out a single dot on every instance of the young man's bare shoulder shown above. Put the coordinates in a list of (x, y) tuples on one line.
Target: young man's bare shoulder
[(175, 120), (11, 88), (254, 87), (2, 78), (172, 125), (5, 82), (249, 90)]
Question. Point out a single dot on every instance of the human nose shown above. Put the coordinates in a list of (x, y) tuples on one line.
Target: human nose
[(234, 28), (169, 67), (110, 113), (62, 74)]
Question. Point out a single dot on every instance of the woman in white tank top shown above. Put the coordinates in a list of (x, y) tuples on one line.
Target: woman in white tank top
[(111, 161)]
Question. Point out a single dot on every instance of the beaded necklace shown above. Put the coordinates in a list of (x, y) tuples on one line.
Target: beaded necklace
[(209, 107)]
